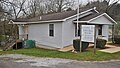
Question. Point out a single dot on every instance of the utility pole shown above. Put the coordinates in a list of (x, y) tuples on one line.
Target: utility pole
[(95, 39), (77, 18), (78, 10)]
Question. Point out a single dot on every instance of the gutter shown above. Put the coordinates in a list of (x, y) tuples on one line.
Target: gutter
[(37, 22)]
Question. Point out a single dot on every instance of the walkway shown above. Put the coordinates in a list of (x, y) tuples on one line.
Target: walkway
[(108, 49), (111, 49)]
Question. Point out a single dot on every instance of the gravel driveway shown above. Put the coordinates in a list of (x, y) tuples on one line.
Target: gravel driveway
[(22, 61)]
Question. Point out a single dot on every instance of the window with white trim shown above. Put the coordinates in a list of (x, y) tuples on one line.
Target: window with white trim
[(99, 29), (51, 30)]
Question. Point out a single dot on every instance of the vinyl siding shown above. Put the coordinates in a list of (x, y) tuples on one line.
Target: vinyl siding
[(40, 33)]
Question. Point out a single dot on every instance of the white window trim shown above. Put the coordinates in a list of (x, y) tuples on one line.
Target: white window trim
[(49, 30)]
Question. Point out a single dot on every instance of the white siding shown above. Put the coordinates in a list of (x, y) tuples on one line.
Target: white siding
[(40, 33), (101, 20), (105, 32), (68, 32), (21, 32), (64, 32)]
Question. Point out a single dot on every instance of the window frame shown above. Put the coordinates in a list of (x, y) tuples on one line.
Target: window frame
[(100, 29), (51, 29)]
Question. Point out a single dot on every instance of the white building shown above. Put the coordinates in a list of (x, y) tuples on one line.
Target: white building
[(59, 29)]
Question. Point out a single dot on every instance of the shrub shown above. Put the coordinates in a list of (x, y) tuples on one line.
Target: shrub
[(76, 45), (2, 38), (100, 43), (117, 39)]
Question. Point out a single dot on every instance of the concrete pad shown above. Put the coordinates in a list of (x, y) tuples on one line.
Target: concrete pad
[(68, 48), (46, 47), (111, 50), (90, 45), (111, 46)]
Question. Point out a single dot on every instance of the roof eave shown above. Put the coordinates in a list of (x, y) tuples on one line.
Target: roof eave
[(80, 21), (113, 21), (38, 22), (110, 18)]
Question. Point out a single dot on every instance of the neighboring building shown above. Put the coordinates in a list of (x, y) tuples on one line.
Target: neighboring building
[(59, 29)]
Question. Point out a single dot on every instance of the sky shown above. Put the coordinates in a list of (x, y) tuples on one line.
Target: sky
[(86, 1)]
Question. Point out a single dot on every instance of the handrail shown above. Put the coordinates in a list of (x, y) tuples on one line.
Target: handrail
[(9, 43)]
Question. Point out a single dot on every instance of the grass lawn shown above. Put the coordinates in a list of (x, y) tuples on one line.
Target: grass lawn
[(88, 55)]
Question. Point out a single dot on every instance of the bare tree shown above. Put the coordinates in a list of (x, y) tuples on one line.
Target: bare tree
[(14, 7), (59, 5), (64, 4), (33, 7), (36, 7), (109, 6), (102, 5)]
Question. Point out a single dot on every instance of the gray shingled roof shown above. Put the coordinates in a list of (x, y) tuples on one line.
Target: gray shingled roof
[(54, 16), (88, 17)]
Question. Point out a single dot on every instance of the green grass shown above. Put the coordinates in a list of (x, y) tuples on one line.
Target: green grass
[(88, 55)]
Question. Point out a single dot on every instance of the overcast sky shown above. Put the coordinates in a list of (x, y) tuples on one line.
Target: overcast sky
[(86, 1), (83, 2)]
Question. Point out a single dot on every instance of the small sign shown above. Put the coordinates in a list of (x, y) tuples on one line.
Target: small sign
[(88, 32)]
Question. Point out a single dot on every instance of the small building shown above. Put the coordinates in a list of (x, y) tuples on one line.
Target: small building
[(58, 30)]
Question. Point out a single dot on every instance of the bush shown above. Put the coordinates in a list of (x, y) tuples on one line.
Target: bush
[(76, 45), (117, 39), (100, 43), (2, 38)]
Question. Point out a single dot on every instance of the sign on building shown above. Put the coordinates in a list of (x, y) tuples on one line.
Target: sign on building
[(88, 32)]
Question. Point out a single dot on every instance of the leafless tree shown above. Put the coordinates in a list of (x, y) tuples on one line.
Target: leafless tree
[(111, 4), (14, 7), (59, 5), (36, 7), (102, 5), (39, 7)]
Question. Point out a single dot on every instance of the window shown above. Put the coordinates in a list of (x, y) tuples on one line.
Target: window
[(76, 30), (51, 30), (99, 29)]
